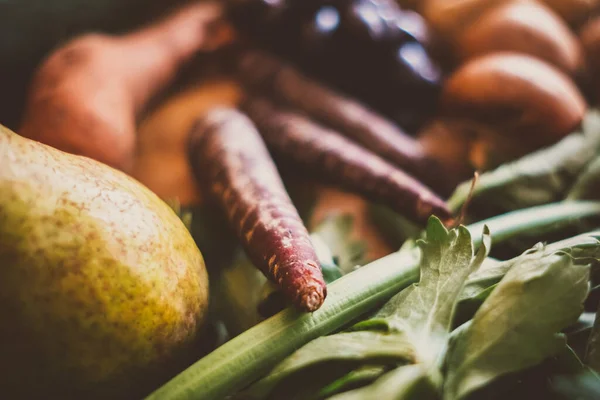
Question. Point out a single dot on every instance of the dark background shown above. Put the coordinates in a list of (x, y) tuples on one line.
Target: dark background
[(30, 29)]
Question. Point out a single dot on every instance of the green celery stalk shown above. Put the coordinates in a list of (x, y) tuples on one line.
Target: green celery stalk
[(534, 219), (253, 353)]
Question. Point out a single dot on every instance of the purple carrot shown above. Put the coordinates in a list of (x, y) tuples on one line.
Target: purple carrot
[(262, 71), (297, 141), (231, 161)]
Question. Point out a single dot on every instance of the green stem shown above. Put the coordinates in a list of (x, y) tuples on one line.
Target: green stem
[(548, 217), (253, 353)]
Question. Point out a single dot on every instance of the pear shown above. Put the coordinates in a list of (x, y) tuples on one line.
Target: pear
[(103, 292)]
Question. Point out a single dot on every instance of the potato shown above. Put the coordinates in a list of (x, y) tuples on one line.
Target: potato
[(517, 94), (575, 12), (524, 27), (449, 17), (590, 39)]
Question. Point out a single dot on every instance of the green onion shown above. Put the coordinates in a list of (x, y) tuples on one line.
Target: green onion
[(253, 353)]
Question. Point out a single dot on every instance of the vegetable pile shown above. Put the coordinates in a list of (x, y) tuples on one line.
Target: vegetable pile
[(418, 336), (85, 97), (470, 128)]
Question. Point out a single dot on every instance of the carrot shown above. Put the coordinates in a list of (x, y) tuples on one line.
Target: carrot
[(325, 153), (231, 161), (85, 97), (261, 71)]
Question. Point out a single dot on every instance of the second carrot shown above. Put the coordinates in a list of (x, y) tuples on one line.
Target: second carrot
[(328, 155)]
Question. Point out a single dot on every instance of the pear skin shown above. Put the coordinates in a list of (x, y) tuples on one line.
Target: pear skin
[(103, 292)]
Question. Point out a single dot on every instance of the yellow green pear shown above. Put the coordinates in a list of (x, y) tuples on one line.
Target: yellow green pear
[(103, 291)]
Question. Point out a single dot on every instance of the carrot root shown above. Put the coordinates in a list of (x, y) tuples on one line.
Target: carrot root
[(230, 160), (264, 72), (329, 155)]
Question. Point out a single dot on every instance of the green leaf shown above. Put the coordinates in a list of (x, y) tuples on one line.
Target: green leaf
[(537, 178), (417, 321), (410, 382), (330, 270), (394, 227), (184, 215), (578, 334), (584, 249), (336, 233), (592, 357), (586, 186), (250, 355), (424, 311), (213, 235), (516, 327), (584, 385), (236, 294), (349, 347), (534, 382), (360, 377)]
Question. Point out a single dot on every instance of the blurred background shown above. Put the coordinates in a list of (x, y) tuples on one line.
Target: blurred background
[(30, 29)]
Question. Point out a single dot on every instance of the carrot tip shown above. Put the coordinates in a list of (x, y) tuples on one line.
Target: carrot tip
[(311, 300)]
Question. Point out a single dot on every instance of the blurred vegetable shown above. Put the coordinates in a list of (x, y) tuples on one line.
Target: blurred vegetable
[(263, 72), (593, 350), (584, 385), (590, 40), (161, 161), (449, 142), (373, 50), (575, 12), (538, 178), (333, 201), (587, 184), (517, 95), (450, 17), (524, 27), (30, 29), (464, 146), (298, 142), (336, 232), (85, 97)]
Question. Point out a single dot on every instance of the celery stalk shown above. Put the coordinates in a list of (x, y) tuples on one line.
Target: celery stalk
[(253, 353)]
